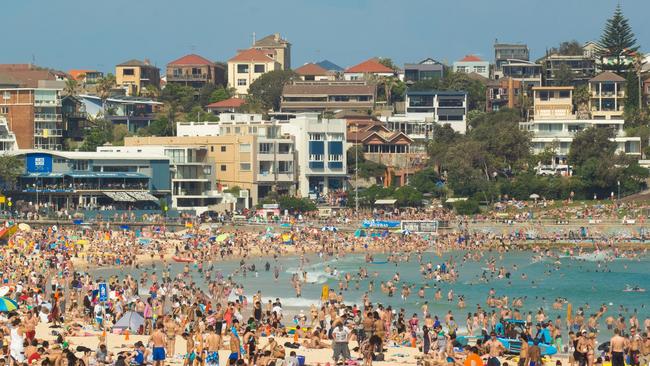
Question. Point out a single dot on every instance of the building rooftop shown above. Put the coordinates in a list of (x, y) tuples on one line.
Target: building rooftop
[(272, 40), (329, 65), (370, 66), (79, 74), (607, 76), (228, 103), (87, 155), (470, 58), (26, 75), (436, 92), (311, 69), (552, 88), (252, 55), (191, 59)]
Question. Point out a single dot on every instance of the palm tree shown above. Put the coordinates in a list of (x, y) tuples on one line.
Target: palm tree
[(71, 87), (150, 91), (105, 85)]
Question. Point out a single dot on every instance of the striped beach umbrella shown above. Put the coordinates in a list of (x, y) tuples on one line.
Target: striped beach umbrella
[(7, 304)]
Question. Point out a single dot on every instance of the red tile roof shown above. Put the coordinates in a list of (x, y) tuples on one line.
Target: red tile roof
[(79, 74), (252, 54), (471, 58), (191, 59), (371, 66), (228, 103), (311, 69)]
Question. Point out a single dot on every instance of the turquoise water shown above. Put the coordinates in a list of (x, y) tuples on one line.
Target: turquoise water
[(582, 283)]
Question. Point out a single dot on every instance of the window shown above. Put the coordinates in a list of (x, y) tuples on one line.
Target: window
[(461, 69), (259, 69), (223, 148), (129, 72), (244, 148), (176, 155), (564, 94), (4, 110), (316, 136), (479, 69), (223, 168), (211, 148), (241, 82), (6, 95), (266, 148), (285, 167), (316, 157), (242, 68), (237, 130), (245, 166), (544, 95), (80, 165)]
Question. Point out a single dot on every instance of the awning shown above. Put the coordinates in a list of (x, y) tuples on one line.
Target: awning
[(119, 196), (143, 196), (42, 175), (385, 202), (121, 175)]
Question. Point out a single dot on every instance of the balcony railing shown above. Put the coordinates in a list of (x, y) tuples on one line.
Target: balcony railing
[(47, 117), (187, 77), (47, 103), (50, 133)]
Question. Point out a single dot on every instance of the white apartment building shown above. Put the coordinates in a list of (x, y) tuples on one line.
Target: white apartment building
[(473, 64)]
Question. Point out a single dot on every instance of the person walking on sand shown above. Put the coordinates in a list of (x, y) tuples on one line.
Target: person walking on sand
[(495, 349)]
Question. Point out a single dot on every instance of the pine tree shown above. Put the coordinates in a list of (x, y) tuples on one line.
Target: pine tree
[(617, 42)]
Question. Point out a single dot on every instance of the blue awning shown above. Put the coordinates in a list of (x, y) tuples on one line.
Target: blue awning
[(121, 175), (42, 175)]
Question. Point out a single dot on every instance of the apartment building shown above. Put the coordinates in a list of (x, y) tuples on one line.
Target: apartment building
[(320, 146), (245, 153), (7, 137), (324, 96), (582, 68), (505, 51), (195, 71), (554, 124), (135, 75), (502, 93), (473, 64), (133, 112), (248, 65), (424, 107), (280, 47), (34, 116), (426, 69), (526, 72), (607, 96)]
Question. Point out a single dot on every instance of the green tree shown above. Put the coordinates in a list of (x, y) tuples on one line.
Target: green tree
[(460, 81), (105, 85), (221, 93), (426, 181), (617, 41), (408, 196), (71, 87), (11, 167), (100, 133), (467, 207), (119, 133), (268, 87), (592, 143), (179, 97), (198, 114), (581, 98), (631, 96), (568, 48), (296, 204)]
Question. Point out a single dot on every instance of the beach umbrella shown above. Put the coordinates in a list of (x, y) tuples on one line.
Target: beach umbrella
[(24, 227), (534, 196), (7, 304), (222, 237)]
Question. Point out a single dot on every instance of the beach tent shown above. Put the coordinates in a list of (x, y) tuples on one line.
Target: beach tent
[(360, 233), (131, 320)]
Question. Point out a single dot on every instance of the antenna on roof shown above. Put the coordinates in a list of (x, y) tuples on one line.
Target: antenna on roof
[(253, 38)]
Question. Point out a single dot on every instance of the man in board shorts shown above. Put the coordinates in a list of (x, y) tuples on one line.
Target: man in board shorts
[(158, 339)]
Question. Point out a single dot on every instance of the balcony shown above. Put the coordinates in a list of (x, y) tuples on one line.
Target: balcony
[(273, 177), (188, 77), (43, 117), (45, 132), (47, 103)]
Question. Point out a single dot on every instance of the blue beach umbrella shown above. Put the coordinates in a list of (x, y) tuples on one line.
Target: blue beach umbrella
[(7, 304)]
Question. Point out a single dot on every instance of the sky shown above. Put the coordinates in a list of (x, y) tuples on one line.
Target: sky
[(98, 34)]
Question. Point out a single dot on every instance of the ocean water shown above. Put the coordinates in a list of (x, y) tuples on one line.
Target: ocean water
[(584, 282)]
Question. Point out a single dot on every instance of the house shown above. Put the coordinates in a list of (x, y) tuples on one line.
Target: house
[(28, 75), (505, 51), (328, 96), (280, 49), (133, 112), (473, 64), (554, 125), (195, 71), (590, 49), (369, 67), (75, 119), (607, 96), (314, 72), (526, 72), (229, 105), (247, 66), (385, 146), (135, 75), (442, 107), (426, 69), (86, 77), (502, 93), (582, 68)]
